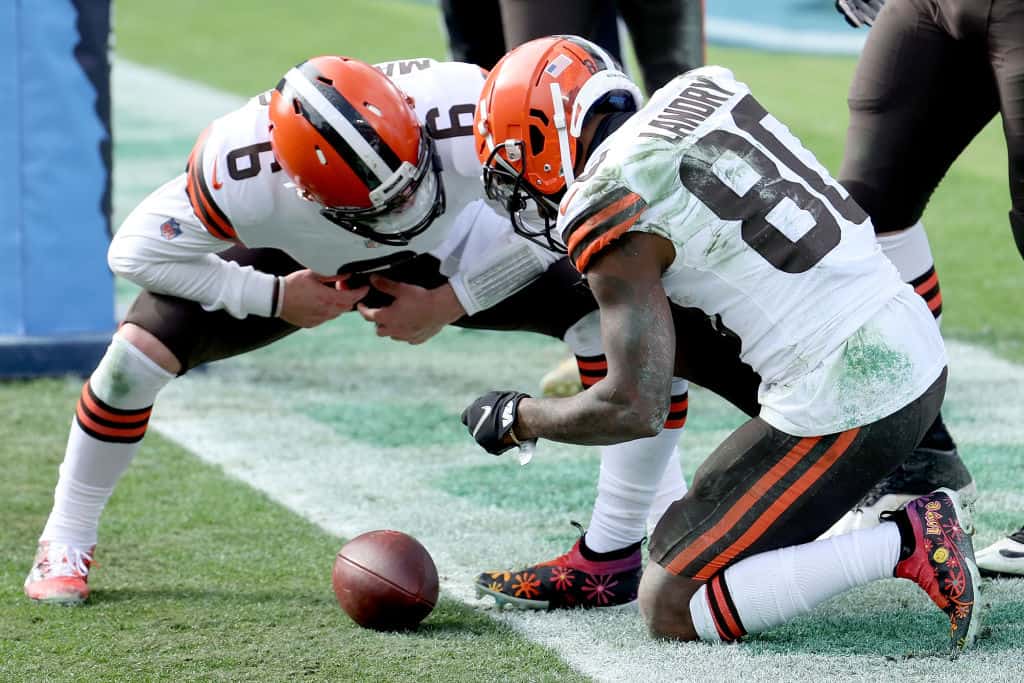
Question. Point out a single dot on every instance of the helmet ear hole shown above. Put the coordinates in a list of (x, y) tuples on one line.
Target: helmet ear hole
[(321, 157), (536, 140), (297, 106)]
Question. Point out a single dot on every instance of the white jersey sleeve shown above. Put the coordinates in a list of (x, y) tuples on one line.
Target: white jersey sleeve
[(482, 256), (168, 244)]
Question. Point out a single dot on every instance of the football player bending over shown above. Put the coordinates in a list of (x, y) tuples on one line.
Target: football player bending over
[(704, 199), (332, 176)]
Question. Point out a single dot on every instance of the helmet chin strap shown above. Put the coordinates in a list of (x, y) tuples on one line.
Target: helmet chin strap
[(562, 126)]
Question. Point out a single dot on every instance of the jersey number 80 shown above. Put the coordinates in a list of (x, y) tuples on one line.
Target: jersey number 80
[(770, 189)]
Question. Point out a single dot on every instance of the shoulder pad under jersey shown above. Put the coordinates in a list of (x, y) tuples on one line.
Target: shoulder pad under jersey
[(223, 167), (444, 96)]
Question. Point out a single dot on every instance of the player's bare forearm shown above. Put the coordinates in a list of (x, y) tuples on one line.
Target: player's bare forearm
[(639, 341)]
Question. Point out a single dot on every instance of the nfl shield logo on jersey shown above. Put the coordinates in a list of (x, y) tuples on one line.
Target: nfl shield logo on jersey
[(170, 229)]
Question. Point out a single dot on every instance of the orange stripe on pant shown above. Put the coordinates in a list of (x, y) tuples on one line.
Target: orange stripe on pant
[(761, 487), (781, 504)]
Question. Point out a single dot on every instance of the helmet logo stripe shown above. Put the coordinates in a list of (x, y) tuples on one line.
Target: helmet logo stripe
[(365, 130), (339, 130)]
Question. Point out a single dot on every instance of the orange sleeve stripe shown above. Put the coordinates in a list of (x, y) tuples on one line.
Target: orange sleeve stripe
[(603, 241), (676, 424), (116, 432), (604, 214), (588, 382), (103, 413), (592, 364), (927, 284), (781, 504), (745, 502), (681, 404), (203, 205), (935, 302), (213, 223)]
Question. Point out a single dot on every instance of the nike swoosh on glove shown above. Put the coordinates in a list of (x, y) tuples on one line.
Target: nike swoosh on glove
[(490, 418), (859, 13)]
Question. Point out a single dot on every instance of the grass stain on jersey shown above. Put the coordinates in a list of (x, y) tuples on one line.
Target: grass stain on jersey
[(871, 372), (652, 171)]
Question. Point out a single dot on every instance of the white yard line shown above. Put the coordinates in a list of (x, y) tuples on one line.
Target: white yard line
[(348, 487)]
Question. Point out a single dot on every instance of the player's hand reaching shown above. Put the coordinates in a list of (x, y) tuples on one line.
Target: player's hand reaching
[(416, 314), (859, 12), (490, 419), (311, 299)]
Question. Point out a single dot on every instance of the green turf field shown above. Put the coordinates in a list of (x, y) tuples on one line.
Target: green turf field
[(217, 567)]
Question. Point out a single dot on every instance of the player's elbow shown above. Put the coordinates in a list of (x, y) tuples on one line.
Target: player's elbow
[(123, 262), (130, 258), (640, 418), (651, 421)]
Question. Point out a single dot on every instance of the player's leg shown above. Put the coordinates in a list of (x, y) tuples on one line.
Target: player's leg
[(474, 32), (526, 20), (162, 337), (668, 37), (735, 556), (637, 479), (909, 120), (559, 305), (1006, 26)]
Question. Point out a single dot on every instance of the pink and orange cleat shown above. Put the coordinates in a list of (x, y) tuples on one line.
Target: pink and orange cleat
[(60, 574)]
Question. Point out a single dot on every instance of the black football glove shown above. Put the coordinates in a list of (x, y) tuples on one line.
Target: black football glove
[(859, 13), (489, 419)]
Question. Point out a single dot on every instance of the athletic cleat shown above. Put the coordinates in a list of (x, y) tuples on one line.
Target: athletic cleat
[(938, 556), (1004, 558), (60, 574), (934, 464), (565, 582), (563, 380)]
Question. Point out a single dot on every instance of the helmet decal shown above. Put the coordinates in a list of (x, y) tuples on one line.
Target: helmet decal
[(340, 124), (349, 140), (530, 118)]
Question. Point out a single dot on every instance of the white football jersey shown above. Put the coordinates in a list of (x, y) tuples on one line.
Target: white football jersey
[(768, 245), (238, 191), (235, 192)]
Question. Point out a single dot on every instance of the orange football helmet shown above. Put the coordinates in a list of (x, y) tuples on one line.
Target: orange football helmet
[(349, 140), (531, 113)]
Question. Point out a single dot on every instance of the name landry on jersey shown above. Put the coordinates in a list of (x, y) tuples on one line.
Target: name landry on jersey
[(690, 108)]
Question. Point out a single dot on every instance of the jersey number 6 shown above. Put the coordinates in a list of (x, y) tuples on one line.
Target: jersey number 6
[(761, 198)]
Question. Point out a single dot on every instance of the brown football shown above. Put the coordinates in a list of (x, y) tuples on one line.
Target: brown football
[(385, 580)]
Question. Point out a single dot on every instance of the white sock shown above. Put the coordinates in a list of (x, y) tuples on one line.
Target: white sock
[(626, 488), (911, 253), (110, 420), (630, 481), (631, 472), (671, 488), (771, 588)]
